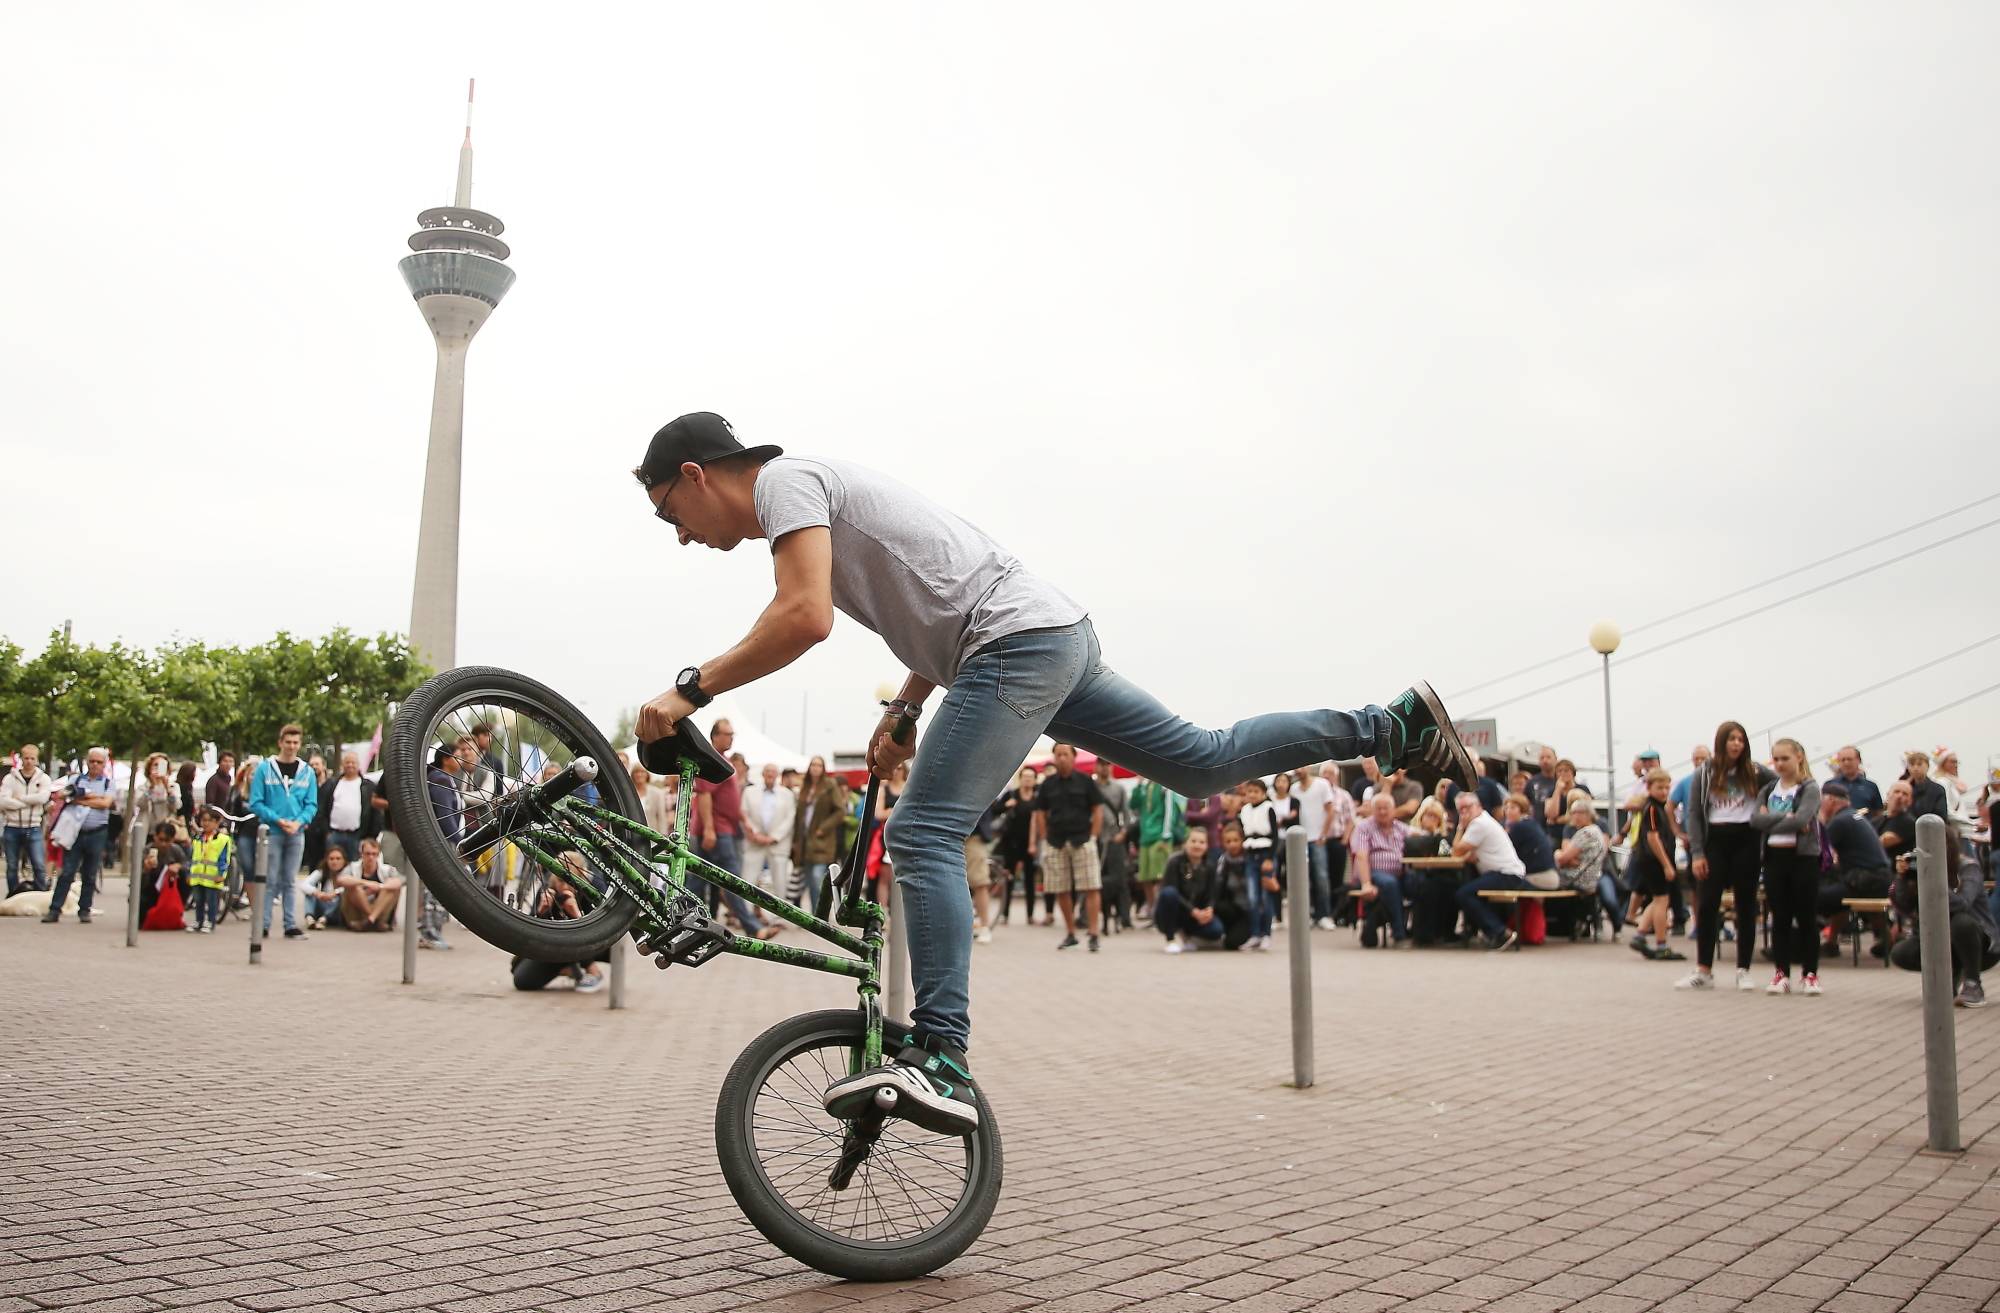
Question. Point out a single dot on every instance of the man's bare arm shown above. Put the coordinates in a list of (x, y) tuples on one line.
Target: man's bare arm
[(799, 616)]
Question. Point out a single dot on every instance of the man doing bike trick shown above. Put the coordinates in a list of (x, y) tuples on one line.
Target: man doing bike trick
[(1015, 656)]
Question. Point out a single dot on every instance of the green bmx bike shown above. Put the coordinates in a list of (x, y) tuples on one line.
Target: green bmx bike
[(875, 1198)]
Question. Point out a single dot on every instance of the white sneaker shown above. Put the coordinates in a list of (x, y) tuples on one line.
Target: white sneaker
[(1779, 985), (1696, 980), (1744, 981), (1173, 945), (983, 937), (1262, 943), (1811, 983), (1325, 923)]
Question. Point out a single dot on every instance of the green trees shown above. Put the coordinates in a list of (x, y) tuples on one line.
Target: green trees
[(176, 697)]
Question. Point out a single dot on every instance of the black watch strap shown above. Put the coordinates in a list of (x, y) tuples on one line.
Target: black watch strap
[(689, 687)]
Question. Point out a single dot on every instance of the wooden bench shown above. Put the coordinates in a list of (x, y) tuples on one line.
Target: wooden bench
[(1863, 907), (1515, 897)]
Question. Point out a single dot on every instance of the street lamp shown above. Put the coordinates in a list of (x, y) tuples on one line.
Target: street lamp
[(1604, 641)]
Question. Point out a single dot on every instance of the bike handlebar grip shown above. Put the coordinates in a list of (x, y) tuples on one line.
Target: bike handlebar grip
[(572, 777), (904, 727)]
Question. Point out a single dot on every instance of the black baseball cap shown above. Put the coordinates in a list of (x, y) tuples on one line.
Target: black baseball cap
[(700, 437)]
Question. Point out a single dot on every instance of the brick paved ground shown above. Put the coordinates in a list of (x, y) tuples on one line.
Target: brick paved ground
[(1544, 1130)]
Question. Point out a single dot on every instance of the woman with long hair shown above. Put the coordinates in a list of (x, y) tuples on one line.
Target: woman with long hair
[(156, 801), (815, 832), (1787, 816), (184, 794), (1723, 849), (243, 862)]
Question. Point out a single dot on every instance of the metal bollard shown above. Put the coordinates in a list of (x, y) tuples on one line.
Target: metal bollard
[(1298, 939), (413, 913), (1934, 946), (132, 863), (254, 888), (896, 971)]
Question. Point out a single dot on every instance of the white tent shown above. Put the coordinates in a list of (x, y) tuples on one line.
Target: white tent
[(756, 746)]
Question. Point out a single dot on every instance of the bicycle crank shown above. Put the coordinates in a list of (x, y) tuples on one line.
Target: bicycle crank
[(862, 1133)]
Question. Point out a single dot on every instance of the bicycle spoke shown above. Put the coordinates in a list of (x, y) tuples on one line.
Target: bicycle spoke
[(909, 1183)]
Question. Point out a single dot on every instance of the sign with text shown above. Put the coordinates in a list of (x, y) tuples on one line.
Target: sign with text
[(1482, 737)]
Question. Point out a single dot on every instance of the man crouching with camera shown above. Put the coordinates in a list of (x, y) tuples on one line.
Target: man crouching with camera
[(558, 903)]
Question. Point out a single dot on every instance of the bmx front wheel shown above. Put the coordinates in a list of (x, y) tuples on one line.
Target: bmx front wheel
[(531, 733), (915, 1202)]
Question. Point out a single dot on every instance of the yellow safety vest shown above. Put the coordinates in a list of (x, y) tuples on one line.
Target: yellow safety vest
[(206, 868)]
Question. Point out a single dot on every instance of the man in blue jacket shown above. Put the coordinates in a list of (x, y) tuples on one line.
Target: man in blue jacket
[(284, 795)]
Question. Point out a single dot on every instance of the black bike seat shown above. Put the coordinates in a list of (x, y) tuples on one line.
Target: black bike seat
[(663, 756)]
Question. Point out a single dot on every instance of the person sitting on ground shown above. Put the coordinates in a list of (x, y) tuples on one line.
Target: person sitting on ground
[(1860, 867), (1185, 885), (369, 892), (1531, 842), (319, 893), (1975, 936), (164, 866), (1581, 862), (1225, 897), (1651, 873), (1377, 864), (208, 870), (1486, 850), (558, 903)]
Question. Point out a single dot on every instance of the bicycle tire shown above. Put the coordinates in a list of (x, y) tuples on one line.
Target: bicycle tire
[(783, 1225), (433, 856)]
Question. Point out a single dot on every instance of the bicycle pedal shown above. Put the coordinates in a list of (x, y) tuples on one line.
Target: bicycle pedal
[(691, 941)]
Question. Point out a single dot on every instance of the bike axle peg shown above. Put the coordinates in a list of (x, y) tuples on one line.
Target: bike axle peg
[(663, 961), (885, 1098)]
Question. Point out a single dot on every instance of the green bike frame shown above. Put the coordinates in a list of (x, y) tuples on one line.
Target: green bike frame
[(652, 869)]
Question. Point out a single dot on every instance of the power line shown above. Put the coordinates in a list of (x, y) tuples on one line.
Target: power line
[(1862, 692), (1756, 611), (1905, 724), (1747, 588)]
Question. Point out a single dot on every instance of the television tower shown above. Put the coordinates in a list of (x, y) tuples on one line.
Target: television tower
[(457, 277)]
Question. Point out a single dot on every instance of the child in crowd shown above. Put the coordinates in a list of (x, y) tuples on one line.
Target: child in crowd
[(1651, 872), (208, 871), (1257, 822)]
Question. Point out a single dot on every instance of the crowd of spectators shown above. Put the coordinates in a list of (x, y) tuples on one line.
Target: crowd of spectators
[(1700, 856)]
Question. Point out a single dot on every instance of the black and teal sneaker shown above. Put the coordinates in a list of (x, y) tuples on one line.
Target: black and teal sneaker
[(1423, 742), (926, 1083)]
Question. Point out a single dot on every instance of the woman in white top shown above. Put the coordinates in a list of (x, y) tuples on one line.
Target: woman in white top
[(1724, 851)]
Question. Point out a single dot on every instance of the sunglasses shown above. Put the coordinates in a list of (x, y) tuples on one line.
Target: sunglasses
[(660, 508)]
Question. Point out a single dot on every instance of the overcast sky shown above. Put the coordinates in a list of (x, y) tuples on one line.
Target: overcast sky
[(1313, 347)]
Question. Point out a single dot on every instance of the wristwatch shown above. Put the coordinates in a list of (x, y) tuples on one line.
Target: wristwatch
[(688, 685)]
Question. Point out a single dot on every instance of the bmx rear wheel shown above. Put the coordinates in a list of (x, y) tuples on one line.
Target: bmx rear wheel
[(499, 891), (916, 1201)]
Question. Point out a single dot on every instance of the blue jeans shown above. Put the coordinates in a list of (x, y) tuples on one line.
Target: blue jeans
[(1480, 912), (1389, 892), (728, 854), (1319, 861), (1613, 900), (207, 904), (348, 841), (84, 857), (1005, 696), (813, 875), (25, 841), (1263, 902), (286, 853)]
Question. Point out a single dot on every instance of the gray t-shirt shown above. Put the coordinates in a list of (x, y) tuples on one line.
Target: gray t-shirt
[(933, 586)]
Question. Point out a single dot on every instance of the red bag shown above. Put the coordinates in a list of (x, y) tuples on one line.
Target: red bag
[(1534, 925), (168, 913)]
